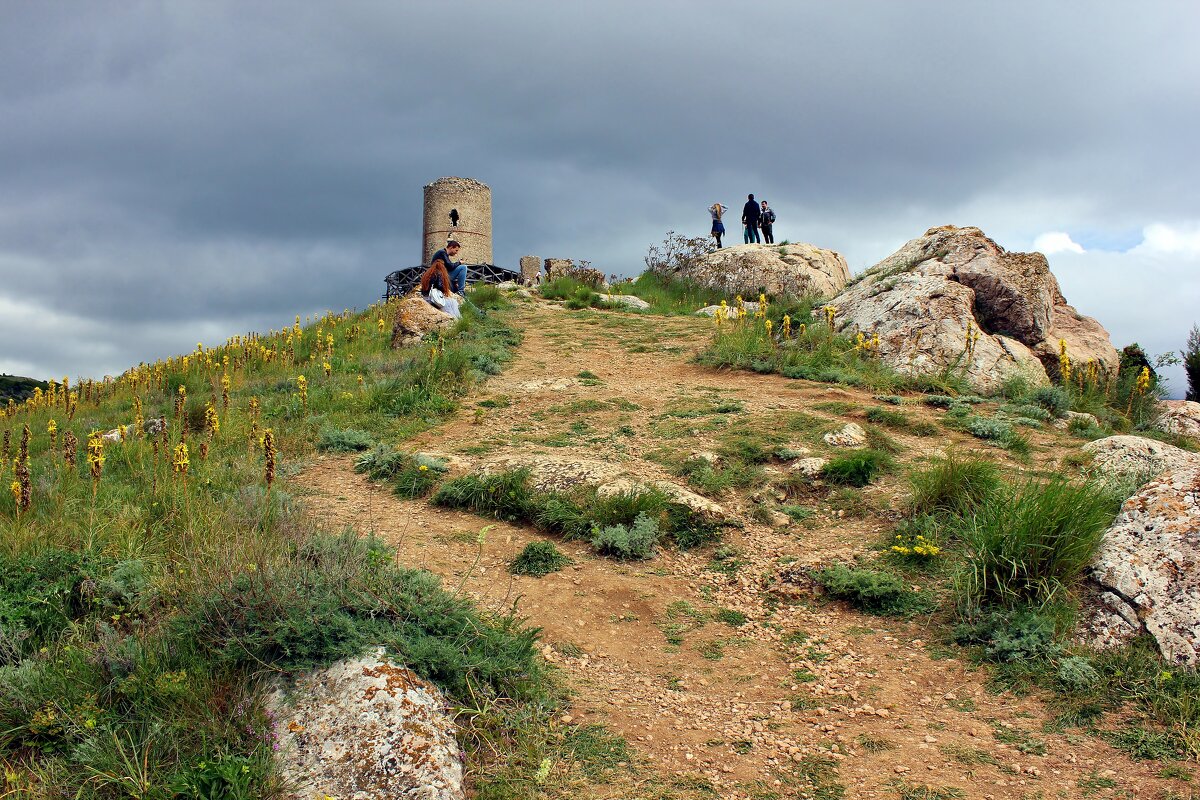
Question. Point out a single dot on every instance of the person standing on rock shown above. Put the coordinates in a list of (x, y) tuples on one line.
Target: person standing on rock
[(750, 215), (455, 269), (766, 221), (718, 227)]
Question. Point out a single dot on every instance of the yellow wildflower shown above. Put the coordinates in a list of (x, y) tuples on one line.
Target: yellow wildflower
[(179, 460)]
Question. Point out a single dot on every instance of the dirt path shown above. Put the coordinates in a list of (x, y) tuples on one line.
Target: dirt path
[(654, 650)]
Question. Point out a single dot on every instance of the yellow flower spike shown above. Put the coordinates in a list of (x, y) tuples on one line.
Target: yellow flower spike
[(15, 488), (328, 369), (382, 325), (179, 460), (1143, 381)]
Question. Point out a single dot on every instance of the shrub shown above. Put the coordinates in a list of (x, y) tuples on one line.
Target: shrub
[(858, 468), (872, 591), (628, 542), (954, 486), (344, 441), (886, 416), (1191, 363), (1032, 543), (677, 253), (381, 464), (583, 297), (538, 559), (985, 428), (1054, 399), (1010, 635)]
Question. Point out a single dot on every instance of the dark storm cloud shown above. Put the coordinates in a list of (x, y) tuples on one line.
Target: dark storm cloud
[(173, 167)]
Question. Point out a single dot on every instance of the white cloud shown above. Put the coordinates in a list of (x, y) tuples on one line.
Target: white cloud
[(1056, 242), (1176, 240)]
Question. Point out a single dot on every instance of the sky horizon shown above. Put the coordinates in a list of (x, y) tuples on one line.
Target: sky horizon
[(184, 172)]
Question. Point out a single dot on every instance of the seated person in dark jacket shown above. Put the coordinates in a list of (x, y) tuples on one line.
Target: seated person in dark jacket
[(456, 270)]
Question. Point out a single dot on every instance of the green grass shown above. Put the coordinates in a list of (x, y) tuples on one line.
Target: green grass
[(1032, 543), (671, 296), (539, 559), (858, 468), (953, 486)]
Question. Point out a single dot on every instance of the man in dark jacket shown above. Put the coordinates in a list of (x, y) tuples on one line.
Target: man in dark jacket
[(456, 270), (750, 217)]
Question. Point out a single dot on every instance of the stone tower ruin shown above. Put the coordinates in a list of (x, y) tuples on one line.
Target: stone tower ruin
[(459, 209)]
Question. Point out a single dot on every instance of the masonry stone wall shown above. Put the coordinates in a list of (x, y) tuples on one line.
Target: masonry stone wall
[(472, 201)]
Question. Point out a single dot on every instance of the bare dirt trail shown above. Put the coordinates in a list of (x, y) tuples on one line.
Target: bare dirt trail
[(653, 649)]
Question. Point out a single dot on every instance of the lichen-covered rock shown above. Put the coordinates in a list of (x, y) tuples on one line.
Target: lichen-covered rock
[(414, 318), (560, 473), (365, 729), (1146, 575), (784, 270), (1180, 417), (711, 311), (1071, 417), (928, 297), (851, 435), (580, 271), (626, 300), (809, 467), (1123, 458)]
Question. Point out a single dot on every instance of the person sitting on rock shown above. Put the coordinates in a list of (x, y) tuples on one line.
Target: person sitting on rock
[(435, 288), (455, 269)]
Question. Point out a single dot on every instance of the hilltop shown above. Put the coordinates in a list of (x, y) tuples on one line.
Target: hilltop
[(763, 556), (16, 388)]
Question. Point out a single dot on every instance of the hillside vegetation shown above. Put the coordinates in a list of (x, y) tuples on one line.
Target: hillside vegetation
[(154, 580)]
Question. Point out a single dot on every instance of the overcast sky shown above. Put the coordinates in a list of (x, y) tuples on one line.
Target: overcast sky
[(175, 171)]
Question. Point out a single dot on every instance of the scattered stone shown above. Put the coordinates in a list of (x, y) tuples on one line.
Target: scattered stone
[(1180, 417), (627, 300), (809, 467), (711, 311), (851, 435), (1087, 419), (1136, 458), (367, 727)]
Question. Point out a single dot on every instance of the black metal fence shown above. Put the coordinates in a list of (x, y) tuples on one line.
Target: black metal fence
[(403, 281)]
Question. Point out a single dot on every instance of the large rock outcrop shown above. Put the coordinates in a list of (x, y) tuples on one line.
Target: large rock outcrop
[(925, 298), (365, 728), (1145, 577), (791, 270)]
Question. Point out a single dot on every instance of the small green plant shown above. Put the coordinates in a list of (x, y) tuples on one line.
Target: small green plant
[(858, 468), (538, 559), (636, 541), (872, 591), (1011, 635), (344, 441)]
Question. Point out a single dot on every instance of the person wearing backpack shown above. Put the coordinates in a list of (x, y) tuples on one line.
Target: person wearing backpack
[(766, 221)]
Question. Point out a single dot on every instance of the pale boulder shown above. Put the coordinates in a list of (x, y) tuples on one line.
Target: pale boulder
[(1124, 458), (414, 319), (851, 435), (367, 727), (784, 270), (1145, 578), (1180, 417), (955, 301)]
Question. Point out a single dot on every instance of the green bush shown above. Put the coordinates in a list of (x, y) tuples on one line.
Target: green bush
[(538, 559), (636, 541), (584, 297), (872, 591), (486, 296), (858, 468), (344, 441), (1031, 544), (992, 429), (381, 464), (1055, 399), (1010, 635)]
